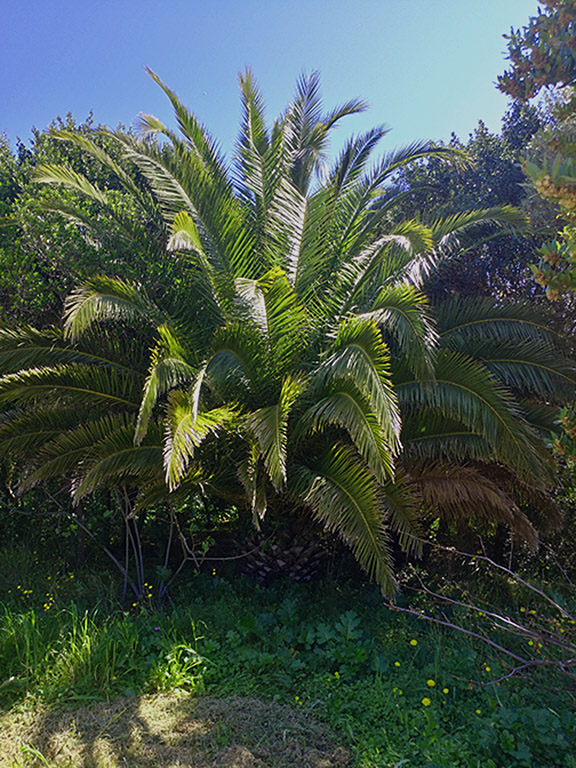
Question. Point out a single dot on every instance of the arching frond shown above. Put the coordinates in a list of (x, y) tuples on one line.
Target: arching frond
[(462, 492), (360, 353), (353, 158), (529, 368), (404, 313), (428, 433), (127, 225), (345, 406), (186, 430), (466, 391), (448, 231), (168, 370), (268, 426), (307, 129), (463, 322), (343, 495), (60, 174), (64, 456), (90, 147), (79, 384), (115, 460), (403, 508), (377, 263), (239, 359), (23, 432), (107, 298), (26, 347), (198, 138)]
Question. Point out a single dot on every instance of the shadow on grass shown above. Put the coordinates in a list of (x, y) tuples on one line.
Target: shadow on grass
[(168, 731)]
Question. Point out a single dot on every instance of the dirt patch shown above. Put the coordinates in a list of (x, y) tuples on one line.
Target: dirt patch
[(169, 732)]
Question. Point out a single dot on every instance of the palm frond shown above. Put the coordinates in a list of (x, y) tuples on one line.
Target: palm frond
[(239, 361), (71, 384), (360, 353), (26, 347), (186, 430), (345, 406), (64, 456), (254, 480), (375, 263), (195, 134), (268, 426), (529, 368), (168, 370), (60, 174), (463, 322), (403, 507), (287, 323), (106, 298), (90, 147), (115, 460), (353, 159), (23, 432), (448, 231), (449, 489), (343, 495), (464, 390), (404, 313), (428, 433)]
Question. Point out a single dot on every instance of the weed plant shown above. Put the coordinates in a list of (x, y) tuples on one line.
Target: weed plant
[(402, 692)]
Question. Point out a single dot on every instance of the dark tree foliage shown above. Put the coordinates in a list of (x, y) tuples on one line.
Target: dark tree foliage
[(491, 176), (43, 256)]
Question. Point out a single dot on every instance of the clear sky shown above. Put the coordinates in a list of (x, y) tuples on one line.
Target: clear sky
[(427, 67)]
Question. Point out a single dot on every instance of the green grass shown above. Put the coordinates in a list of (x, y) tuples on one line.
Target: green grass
[(395, 688)]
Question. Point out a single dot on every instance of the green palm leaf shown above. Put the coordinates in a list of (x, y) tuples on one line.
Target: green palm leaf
[(168, 370), (345, 406), (79, 384), (26, 347), (269, 425), (342, 493), (186, 430), (462, 322), (404, 313), (106, 298), (466, 391), (360, 353)]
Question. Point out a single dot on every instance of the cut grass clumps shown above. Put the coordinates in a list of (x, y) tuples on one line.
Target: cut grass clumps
[(168, 731)]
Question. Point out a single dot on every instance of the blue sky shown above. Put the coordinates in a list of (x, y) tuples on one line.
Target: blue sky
[(427, 67)]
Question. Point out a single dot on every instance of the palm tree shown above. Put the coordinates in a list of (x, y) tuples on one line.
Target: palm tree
[(302, 353)]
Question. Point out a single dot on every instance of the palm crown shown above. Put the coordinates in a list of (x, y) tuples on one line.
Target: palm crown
[(298, 366)]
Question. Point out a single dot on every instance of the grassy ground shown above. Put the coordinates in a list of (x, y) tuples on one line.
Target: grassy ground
[(166, 731), (237, 674)]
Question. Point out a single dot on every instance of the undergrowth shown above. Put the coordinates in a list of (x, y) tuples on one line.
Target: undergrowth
[(400, 691)]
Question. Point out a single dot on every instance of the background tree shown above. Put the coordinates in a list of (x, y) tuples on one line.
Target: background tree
[(494, 266), (43, 255), (543, 53)]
